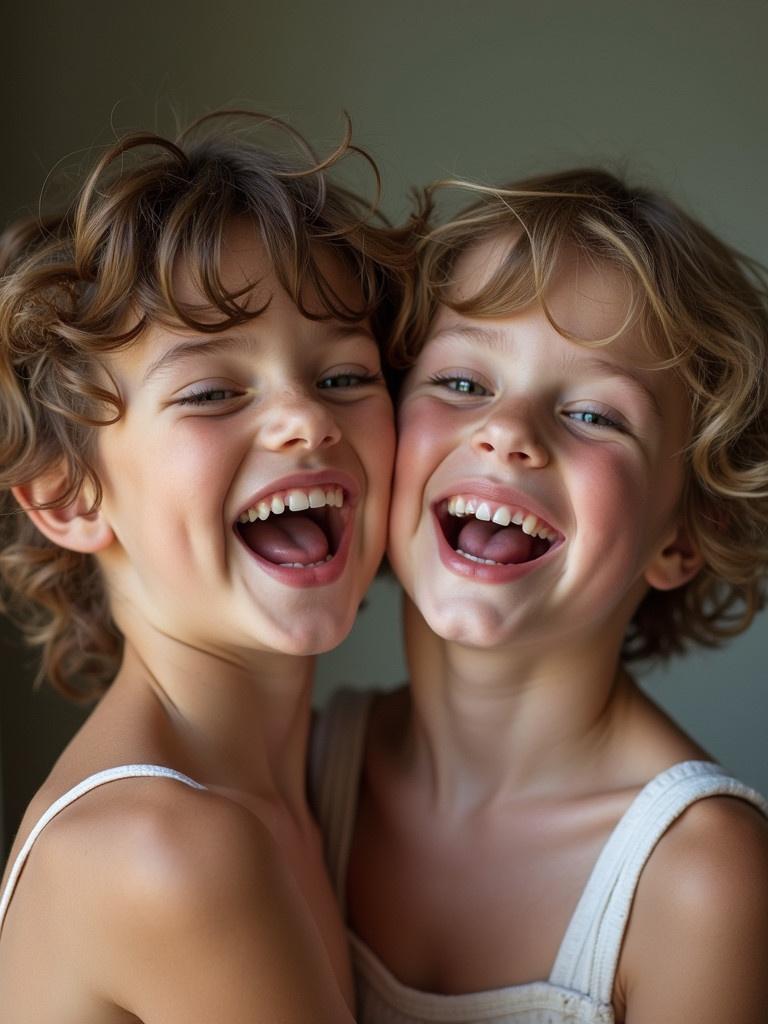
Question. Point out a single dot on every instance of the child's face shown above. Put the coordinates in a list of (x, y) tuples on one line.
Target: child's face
[(505, 422), (226, 439)]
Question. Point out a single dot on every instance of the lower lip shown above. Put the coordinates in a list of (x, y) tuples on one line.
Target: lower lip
[(468, 569), (311, 576)]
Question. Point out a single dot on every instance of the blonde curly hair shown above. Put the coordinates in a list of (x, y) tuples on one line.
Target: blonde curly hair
[(702, 306), (69, 285)]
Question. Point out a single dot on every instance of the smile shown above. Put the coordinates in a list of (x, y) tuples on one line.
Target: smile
[(482, 532), (300, 535)]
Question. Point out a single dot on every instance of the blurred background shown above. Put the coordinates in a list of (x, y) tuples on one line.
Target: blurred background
[(674, 94)]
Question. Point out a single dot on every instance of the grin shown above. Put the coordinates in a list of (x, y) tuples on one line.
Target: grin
[(296, 528), (494, 534)]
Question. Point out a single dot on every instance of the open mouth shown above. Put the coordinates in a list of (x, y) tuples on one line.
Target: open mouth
[(493, 534), (296, 528)]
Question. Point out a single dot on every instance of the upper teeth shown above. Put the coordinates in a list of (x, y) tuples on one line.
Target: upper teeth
[(295, 500), (501, 514)]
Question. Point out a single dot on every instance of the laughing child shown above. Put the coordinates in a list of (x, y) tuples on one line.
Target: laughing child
[(196, 457), (582, 479)]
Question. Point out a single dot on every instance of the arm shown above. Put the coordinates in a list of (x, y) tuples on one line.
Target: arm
[(696, 947), (203, 922)]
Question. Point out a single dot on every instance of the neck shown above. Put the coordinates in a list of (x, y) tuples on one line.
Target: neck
[(238, 721), (490, 725)]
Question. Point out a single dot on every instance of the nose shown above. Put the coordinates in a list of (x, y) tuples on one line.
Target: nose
[(509, 436), (297, 421)]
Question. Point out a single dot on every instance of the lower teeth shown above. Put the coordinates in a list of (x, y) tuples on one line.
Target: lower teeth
[(302, 565), (474, 558)]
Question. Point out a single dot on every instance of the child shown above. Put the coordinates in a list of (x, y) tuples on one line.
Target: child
[(194, 422), (582, 479)]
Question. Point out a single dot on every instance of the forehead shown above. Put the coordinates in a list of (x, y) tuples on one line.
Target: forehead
[(245, 265), (587, 298)]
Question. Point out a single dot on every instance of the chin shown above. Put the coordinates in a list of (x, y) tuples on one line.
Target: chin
[(316, 634), (461, 623)]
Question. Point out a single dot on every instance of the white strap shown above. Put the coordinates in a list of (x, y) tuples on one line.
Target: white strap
[(125, 771), (336, 761), (589, 953)]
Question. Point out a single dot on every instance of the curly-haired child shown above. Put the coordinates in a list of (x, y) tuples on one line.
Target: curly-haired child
[(582, 479), (195, 457)]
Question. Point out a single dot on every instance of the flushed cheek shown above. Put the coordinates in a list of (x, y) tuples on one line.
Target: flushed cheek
[(427, 434), (615, 506)]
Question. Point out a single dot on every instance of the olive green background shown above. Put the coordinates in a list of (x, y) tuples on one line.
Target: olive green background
[(673, 93)]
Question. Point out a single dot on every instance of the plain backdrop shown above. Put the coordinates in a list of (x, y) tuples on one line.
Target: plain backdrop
[(672, 93)]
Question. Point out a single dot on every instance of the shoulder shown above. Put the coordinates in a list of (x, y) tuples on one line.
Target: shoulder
[(192, 889), (698, 931), (715, 851), (155, 844)]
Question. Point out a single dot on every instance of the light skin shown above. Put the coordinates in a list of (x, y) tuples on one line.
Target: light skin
[(192, 906), (521, 730)]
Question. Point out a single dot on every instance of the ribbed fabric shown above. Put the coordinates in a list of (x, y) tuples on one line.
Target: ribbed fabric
[(580, 986), (125, 771)]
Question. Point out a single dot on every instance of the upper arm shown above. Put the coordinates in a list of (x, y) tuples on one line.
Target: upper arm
[(205, 923), (696, 947)]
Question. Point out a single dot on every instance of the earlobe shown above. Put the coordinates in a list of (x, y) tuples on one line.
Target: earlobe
[(676, 564), (75, 526)]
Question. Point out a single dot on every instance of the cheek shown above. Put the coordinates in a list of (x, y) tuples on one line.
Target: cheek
[(374, 434), (609, 487), (427, 435), (157, 487)]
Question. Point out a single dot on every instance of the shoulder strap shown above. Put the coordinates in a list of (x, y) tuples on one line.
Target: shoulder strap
[(125, 771), (335, 765), (590, 949)]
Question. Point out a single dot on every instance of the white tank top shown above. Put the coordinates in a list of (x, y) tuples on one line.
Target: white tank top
[(124, 771), (580, 986)]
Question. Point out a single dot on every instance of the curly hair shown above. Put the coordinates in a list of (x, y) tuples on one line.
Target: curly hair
[(70, 284), (699, 303)]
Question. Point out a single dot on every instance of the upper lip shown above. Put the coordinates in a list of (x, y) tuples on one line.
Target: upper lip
[(305, 481), (501, 494)]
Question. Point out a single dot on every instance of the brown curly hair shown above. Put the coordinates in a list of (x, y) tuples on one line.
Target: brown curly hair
[(71, 283), (703, 307)]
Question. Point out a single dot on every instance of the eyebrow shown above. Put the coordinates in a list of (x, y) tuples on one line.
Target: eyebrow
[(191, 347), (485, 335), (494, 339), (629, 376)]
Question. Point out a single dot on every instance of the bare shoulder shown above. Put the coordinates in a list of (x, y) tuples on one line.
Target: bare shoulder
[(190, 887), (156, 840), (715, 857), (697, 940)]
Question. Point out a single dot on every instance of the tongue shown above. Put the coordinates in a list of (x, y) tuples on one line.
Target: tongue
[(507, 544), (292, 539)]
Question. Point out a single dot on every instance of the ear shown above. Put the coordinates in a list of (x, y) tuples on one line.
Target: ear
[(676, 563), (74, 526)]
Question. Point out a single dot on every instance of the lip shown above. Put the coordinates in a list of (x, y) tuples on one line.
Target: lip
[(327, 572), (504, 496)]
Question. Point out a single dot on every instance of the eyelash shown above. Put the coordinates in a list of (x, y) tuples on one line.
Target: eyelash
[(360, 380), (447, 380), (607, 424), (203, 397), (596, 419)]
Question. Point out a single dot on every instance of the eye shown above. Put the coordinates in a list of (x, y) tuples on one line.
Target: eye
[(461, 383), (209, 396), (348, 380), (593, 418)]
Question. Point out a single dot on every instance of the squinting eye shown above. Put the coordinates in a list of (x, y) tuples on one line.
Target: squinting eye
[(462, 385), (349, 380), (208, 395), (592, 418)]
